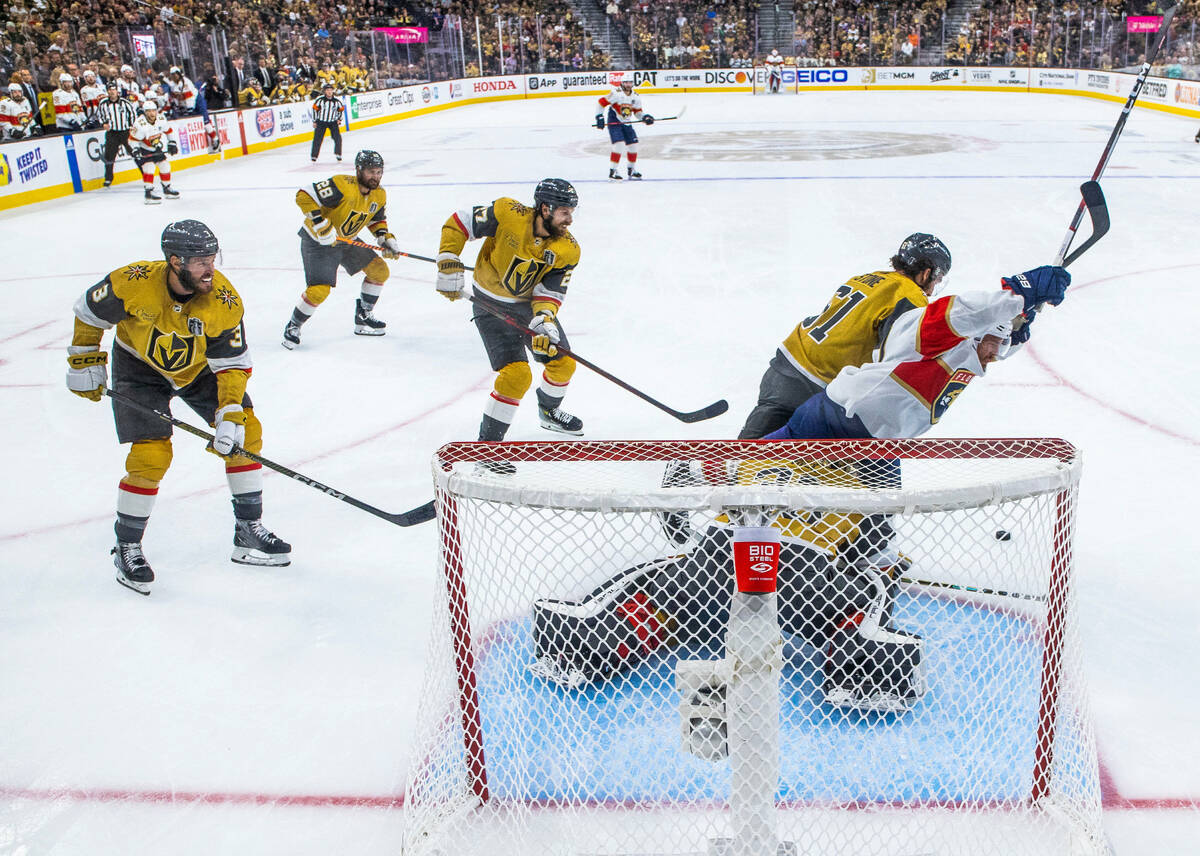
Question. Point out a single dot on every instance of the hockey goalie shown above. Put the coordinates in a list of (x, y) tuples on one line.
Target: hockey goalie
[(837, 585)]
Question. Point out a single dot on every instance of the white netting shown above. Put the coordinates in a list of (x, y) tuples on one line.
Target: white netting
[(595, 684)]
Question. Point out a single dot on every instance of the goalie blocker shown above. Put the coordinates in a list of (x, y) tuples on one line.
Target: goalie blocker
[(684, 601)]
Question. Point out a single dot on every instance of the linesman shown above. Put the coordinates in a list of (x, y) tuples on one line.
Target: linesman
[(117, 116), (327, 116)]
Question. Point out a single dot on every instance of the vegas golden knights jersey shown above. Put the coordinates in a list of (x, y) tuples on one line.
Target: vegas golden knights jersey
[(852, 325), (178, 339), (342, 204), (514, 265)]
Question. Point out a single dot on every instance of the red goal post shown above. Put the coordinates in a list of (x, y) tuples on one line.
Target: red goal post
[(996, 755)]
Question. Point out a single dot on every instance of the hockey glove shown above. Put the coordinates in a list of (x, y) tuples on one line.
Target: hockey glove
[(320, 229), (1046, 284), (600, 121), (450, 276), (231, 429), (88, 373), (389, 247), (545, 334), (647, 118), (172, 147), (1020, 335)]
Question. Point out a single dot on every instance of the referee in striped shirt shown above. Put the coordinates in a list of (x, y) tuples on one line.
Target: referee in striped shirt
[(117, 116), (327, 116)]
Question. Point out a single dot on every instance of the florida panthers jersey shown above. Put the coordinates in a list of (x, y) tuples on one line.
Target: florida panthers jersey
[(16, 118), (621, 107), (68, 109), (514, 265), (927, 360), (183, 94), (90, 94), (151, 137), (178, 339)]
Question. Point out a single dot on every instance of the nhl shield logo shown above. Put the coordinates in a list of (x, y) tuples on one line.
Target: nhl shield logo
[(264, 120), (170, 351), (953, 388)]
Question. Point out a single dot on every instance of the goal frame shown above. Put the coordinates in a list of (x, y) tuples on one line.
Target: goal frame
[(789, 86), (1060, 572)]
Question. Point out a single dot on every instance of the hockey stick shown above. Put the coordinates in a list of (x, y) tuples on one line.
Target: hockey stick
[(355, 242), (973, 590), (420, 514), (714, 409), (678, 115), (1096, 201)]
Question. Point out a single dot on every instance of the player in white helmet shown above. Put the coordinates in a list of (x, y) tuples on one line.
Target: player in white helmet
[(617, 111), (68, 106)]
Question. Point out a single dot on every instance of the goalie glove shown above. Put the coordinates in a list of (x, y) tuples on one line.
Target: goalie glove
[(545, 334), (88, 373), (231, 429), (450, 276), (320, 229), (388, 245)]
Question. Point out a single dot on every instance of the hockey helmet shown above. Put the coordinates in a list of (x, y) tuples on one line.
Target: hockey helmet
[(15, 87), (368, 159), (126, 68), (921, 248), (187, 239), (555, 192), (89, 75), (176, 70), (65, 78)]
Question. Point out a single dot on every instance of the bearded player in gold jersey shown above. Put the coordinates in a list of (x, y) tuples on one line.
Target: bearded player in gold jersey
[(341, 207), (845, 333), (179, 333), (522, 270)]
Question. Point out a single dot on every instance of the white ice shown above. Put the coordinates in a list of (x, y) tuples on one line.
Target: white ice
[(265, 711)]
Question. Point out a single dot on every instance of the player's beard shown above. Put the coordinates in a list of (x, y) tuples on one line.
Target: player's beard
[(369, 183), (191, 283), (554, 231)]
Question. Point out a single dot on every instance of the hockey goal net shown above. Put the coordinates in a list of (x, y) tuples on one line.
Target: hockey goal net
[(788, 81), (602, 680)]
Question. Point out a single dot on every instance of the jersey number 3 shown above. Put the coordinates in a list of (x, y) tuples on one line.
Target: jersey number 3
[(844, 299)]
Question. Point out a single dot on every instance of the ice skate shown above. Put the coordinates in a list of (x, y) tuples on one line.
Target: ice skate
[(557, 419), (613, 175), (152, 198), (497, 468), (365, 323), (255, 544), (133, 571), (291, 336), (634, 175), (169, 193)]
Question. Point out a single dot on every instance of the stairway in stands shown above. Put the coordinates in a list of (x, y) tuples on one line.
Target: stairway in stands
[(776, 27), (958, 12), (605, 33)]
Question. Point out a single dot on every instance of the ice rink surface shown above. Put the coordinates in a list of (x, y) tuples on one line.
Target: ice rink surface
[(267, 711)]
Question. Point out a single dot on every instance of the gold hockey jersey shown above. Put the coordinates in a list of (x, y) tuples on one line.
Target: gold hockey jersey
[(342, 204), (852, 325), (514, 265), (178, 339)]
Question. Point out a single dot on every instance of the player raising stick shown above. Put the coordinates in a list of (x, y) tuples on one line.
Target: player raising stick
[(179, 333), (339, 207), (522, 270), (153, 141), (617, 111)]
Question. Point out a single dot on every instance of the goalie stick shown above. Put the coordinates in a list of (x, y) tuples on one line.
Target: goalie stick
[(714, 409), (420, 514)]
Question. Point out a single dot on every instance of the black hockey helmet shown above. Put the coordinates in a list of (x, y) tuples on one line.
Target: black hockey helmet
[(368, 159), (921, 249), (187, 239), (555, 192)]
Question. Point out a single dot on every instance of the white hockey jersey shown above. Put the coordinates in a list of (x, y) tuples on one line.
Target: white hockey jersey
[(622, 108), (68, 109), (91, 93), (16, 118), (151, 137), (183, 94), (927, 359), (130, 89)]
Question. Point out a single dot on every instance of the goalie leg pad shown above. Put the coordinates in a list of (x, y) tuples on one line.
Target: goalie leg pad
[(704, 723), (615, 627)]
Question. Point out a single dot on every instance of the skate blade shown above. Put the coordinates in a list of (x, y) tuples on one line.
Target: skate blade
[(249, 556), (557, 429), (153, 201), (140, 588), (291, 346), (881, 703), (368, 331)]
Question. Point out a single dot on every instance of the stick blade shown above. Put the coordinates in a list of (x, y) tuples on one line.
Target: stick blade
[(1097, 207), (420, 514), (714, 409)]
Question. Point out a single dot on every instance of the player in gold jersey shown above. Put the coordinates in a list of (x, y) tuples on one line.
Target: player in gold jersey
[(340, 207), (523, 270), (179, 333), (846, 332)]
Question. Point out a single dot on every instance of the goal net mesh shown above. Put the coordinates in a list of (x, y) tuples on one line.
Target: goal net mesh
[(593, 686)]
